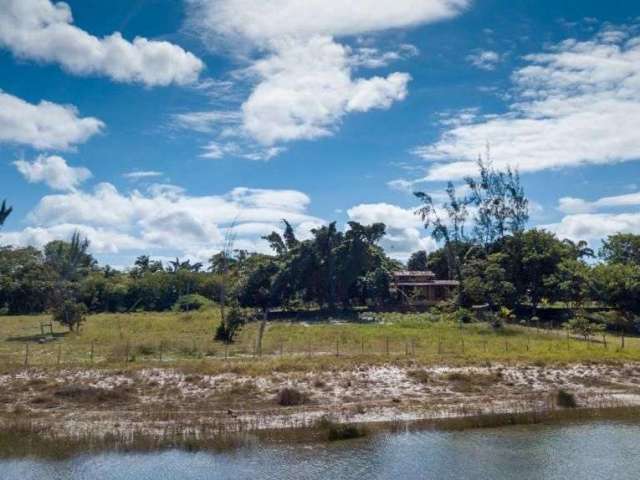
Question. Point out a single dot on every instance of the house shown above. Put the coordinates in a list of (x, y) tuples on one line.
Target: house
[(421, 288)]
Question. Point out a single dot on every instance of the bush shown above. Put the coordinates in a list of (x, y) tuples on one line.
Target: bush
[(566, 399), (70, 314), (463, 315), (290, 397), (228, 328), (190, 302), (340, 431)]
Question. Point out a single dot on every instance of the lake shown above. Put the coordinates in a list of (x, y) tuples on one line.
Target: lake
[(602, 450)]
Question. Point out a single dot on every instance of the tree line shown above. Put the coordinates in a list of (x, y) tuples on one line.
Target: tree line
[(483, 239)]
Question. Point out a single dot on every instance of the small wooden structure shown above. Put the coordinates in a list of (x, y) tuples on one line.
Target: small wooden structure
[(421, 287)]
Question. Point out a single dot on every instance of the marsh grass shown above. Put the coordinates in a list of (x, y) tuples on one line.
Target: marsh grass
[(186, 341), (21, 437)]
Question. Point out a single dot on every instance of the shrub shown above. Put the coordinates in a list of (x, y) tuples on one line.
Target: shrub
[(566, 399), (190, 302), (70, 314), (419, 375), (464, 316), (227, 329), (341, 431), (289, 397)]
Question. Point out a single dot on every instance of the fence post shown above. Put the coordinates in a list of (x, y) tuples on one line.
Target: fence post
[(59, 354), (604, 340), (126, 353), (387, 345), (26, 355), (362, 345), (337, 346), (462, 343), (92, 351)]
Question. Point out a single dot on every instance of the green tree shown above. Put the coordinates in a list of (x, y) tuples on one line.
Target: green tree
[(623, 248), (618, 285), (447, 225), (70, 314), (486, 281), (501, 205), (541, 254), (418, 261)]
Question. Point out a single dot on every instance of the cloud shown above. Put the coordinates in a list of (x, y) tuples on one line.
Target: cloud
[(138, 174), (576, 104), (53, 171), (205, 121), (303, 80), (595, 226), (163, 220), (259, 21), (405, 232), (484, 59), (44, 125), (590, 220), (305, 88), (579, 205), (371, 57), (43, 31)]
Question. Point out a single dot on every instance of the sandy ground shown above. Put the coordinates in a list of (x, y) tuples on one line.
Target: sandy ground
[(157, 401)]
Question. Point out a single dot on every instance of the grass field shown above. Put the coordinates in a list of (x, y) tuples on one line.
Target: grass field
[(185, 340)]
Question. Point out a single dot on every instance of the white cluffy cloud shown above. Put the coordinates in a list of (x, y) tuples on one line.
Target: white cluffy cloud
[(43, 31), (53, 171), (594, 220), (405, 231), (305, 88), (45, 125), (579, 205), (576, 104), (304, 81), (164, 220), (259, 21)]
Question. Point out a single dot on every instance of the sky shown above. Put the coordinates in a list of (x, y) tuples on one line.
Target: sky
[(158, 126)]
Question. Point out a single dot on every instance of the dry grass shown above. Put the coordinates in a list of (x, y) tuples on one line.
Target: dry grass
[(186, 341)]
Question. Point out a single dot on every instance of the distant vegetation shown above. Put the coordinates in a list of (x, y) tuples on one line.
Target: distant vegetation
[(484, 245)]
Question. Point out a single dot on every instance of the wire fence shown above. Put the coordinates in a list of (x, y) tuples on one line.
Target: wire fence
[(57, 353)]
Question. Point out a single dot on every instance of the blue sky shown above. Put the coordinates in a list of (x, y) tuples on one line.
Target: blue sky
[(205, 113)]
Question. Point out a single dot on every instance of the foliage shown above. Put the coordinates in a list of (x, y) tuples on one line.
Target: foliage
[(583, 326), (447, 224), (4, 212), (230, 325), (621, 248), (191, 302), (566, 399), (70, 314), (501, 205), (418, 261)]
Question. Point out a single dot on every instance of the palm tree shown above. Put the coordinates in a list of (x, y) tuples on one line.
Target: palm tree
[(4, 212), (579, 249)]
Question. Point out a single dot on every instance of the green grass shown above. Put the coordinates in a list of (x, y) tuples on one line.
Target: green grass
[(186, 340)]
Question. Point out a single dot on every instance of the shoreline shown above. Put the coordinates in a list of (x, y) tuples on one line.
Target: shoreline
[(164, 408)]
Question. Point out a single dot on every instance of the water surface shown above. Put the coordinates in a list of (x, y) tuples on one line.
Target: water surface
[(605, 450)]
